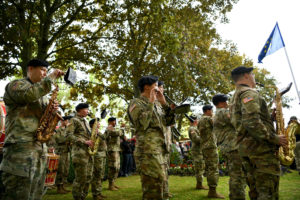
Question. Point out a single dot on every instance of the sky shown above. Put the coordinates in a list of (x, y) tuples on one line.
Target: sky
[(251, 23)]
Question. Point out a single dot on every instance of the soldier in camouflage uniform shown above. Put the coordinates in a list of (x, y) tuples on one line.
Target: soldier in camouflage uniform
[(99, 164), (166, 156), (79, 134), (113, 150), (258, 142), (24, 159), (149, 121), (227, 143), (197, 154), (62, 149), (209, 150)]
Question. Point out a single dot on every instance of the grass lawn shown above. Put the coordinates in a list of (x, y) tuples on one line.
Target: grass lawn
[(181, 188)]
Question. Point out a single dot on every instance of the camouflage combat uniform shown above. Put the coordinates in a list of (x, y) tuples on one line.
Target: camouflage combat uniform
[(113, 153), (78, 132), (197, 154), (24, 159), (258, 142), (62, 149), (99, 167), (209, 150), (227, 143), (149, 121)]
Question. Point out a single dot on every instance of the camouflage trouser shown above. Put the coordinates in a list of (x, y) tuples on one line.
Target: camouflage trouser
[(98, 174), (199, 166), (113, 160), (166, 182), (262, 175), (83, 176), (24, 171), (237, 181), (153, 176), (63, 168), (297, 156), (211, 159)]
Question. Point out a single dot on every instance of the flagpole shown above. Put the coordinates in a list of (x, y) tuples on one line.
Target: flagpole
[(292, 74)]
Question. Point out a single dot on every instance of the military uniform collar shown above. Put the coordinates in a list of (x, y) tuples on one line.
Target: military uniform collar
[(144, 99), (81, 118), (243, 85), (28, 79)]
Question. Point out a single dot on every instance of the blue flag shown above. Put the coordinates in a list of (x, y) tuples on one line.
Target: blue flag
[(273, 43)]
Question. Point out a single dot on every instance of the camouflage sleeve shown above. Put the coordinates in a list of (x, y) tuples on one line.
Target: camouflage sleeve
[(170, 116), (114, 132), (141, 117), (70, 130), (22, 92), (193, 135), (251, 118)]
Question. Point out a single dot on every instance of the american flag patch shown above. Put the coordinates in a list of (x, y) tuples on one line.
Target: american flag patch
[(247, 99)]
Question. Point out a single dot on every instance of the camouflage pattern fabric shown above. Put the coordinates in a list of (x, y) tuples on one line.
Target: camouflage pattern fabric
[(62, 149), (166, 168), (224, 131), (209, 150), (77, 133), (114, 148), (227, 142), (197, 155), (99, 166), (113, 160), (257, 142), (149, 121), (237, 180), (24, 160), (297, 155)]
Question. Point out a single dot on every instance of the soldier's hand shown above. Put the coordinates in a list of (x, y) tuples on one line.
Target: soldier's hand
[(153, 95), (172, 106), (90, 143), (282, 140), (56, 74), (160, 97)]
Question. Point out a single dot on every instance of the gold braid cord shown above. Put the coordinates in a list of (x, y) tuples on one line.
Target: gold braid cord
[(49, 119)]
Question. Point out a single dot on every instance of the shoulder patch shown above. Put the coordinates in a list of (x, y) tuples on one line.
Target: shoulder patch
[(247, 99), (132, 107)]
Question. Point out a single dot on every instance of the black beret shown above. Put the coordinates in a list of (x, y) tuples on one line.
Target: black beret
[(241, 70), (111, 119), (92, 121), (219, 98), (146, 80), (81, 106), (293, 118), (37, 63), (67, 117), (206, 107), (160, 83)]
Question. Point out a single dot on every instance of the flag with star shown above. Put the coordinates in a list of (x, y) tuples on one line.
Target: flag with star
[(273, 43)]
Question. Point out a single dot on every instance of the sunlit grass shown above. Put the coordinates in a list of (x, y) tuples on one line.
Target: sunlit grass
[(181, 188)]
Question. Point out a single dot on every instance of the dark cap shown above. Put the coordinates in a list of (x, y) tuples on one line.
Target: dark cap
[(67, 117), (37, 63), (81, 106), (241, 70), (92, 121), (293, 118), (111, 119), (146, 80), (219, 98), (206, 107)]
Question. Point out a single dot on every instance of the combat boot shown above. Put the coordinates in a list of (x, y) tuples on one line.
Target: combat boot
[(212, 193), (98, 197), (199, 186), (63, 187), (112, 186), (60, 190)]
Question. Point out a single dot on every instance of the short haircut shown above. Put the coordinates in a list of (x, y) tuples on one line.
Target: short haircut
[(37, 63), (206, 108), (81, 106), (160, 83), (111, 119), (219, 98), (147, 80), (92, 122)]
